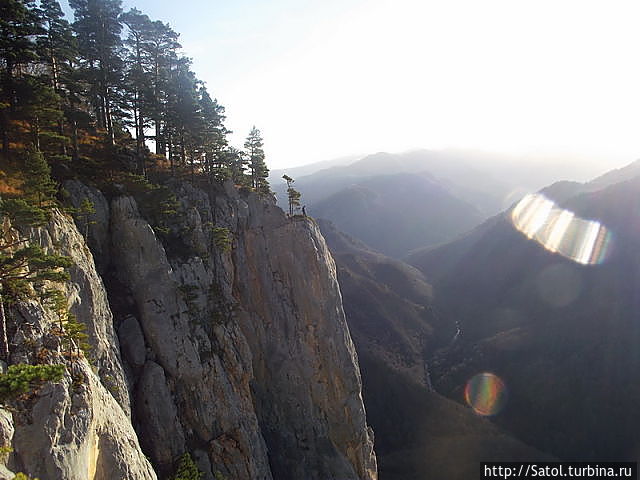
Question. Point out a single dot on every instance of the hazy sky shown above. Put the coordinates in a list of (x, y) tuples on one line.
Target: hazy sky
[(327, 78)]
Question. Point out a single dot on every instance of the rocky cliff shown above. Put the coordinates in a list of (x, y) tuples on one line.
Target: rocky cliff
[(227, 341)]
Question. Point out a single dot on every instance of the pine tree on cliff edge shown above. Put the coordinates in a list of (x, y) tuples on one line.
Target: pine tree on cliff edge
[(292, 194), (257, 166)]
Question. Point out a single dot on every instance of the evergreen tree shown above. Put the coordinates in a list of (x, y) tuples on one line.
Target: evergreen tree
[(235, 160), (20, 268), (138, 75), (161, 51), (213, 136), (182, 119), (187, 469), (19, 25), (257, 166), (97, 26), (57, 45), (39, 188), (292, 194), (39, 108), (22, 378), (58, 50)]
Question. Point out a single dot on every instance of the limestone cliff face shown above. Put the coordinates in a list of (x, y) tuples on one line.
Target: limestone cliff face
[(307, 382), (78, 428), (242, 357), (226, 339)]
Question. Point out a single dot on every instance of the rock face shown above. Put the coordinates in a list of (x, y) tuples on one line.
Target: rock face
[(228, 342), (248, 357), (306, 374), (78, 428), (88, 301)]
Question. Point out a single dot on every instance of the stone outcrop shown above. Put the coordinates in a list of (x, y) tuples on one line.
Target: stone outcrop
[(78, 428), (228, 342), (248, 354)]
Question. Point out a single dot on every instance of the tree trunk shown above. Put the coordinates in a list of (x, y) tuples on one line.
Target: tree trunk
[(108, 119), (74, 139), (183, 155), (170, 145), (4, 343), (5, 114), (159, 149), (4, 125), (36, 133)]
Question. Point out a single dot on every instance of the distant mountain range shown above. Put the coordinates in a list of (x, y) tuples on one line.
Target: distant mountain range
[(397, 213), (399, 202), (562, 332)]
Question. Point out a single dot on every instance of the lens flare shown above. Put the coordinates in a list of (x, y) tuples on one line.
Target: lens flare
[(560, 231), (559, 285), (486, 394)]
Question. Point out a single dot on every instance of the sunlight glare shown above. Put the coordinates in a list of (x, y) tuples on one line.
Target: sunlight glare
[(586, 242)]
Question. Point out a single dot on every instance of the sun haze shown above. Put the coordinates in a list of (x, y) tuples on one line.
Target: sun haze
[(332, 78)]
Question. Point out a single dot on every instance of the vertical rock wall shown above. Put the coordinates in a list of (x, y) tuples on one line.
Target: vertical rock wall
[(240, 356)]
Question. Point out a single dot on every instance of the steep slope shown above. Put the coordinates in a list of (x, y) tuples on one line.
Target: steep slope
[(562, 335), (80, 427), (397, 213), (248, 346), (419, 434), (387, 303), (231, 345)]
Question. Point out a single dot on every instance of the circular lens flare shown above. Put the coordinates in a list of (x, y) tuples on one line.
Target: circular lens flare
[(486, 394)]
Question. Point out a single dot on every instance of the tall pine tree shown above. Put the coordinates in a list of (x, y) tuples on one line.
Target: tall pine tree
[(19, 25), (97, 26), (257, 166)]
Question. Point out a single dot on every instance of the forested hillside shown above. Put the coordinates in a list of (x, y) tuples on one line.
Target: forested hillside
[(92, 96)]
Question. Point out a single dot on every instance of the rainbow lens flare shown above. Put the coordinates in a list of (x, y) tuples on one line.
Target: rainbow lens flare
[(486, 393), (561, 231)]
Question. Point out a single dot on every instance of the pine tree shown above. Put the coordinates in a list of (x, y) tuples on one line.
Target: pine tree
[(236, 162), (213, 136), (39, 188), (97, 26), (20, 269), (58, 50), (22, 378), (292, 194), (182, 121), (161, 50), (257, 166), (187, 469), (19, 26), (40, 108), (138, 75), (84, 214)]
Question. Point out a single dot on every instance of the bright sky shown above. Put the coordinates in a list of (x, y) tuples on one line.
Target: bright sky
[(328, 78)]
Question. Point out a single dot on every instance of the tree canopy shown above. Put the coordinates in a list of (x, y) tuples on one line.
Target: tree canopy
[(96, 94)]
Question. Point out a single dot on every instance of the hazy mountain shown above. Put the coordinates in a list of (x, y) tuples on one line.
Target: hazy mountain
[(419, 434), (562, 335), (458, 171), (490, 181), (397, 213), (400, 202), (275, 175)]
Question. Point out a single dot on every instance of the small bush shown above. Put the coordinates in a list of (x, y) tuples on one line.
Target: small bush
[(22, 476), (222, 238), (22, 378), (187, 469)]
